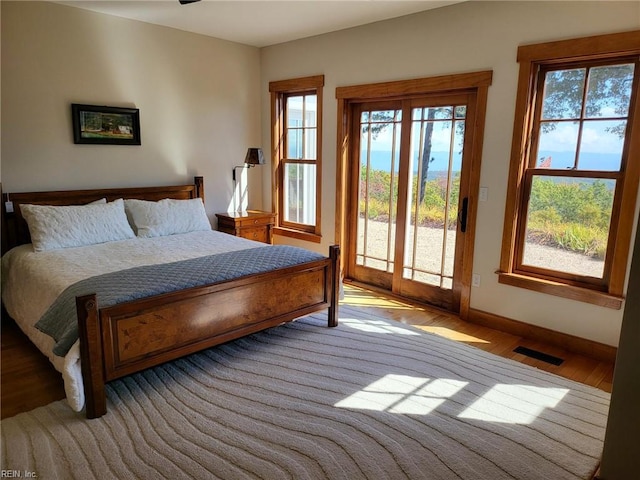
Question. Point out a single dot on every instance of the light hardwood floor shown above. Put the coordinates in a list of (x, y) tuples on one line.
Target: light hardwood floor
[(576, 367), (29, 381)]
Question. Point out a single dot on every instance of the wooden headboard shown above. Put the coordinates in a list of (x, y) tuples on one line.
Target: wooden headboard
[(14, 228)]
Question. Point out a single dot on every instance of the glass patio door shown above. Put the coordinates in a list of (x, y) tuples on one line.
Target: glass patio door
[(410, 214)]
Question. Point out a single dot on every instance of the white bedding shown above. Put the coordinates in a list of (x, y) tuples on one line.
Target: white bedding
[(32, 281)]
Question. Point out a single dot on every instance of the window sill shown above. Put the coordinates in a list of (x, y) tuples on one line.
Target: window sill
[(289, 232), (579, 294)]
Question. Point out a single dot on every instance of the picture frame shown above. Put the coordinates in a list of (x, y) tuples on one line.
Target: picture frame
[(103, 125)]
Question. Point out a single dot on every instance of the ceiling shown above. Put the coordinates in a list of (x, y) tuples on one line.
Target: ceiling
[(260, 22)]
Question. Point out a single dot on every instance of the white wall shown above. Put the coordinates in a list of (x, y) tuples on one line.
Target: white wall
[(461, 38), (197, 97)]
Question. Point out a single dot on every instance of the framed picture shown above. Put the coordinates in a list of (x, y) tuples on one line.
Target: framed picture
[(105, 125)]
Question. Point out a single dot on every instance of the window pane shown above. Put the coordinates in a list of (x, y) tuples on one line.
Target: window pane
[(294, 111), (310, 145), (563, 91), (311, 110), (557, 145), (294, 143), (568, 224), (609, 91), (601, 145), (300, 193), (461, 111), (301, 127)]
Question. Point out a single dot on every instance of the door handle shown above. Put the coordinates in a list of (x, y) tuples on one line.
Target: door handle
[(463, 214)]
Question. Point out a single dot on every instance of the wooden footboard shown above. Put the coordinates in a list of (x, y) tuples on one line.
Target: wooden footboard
[(130, 337)]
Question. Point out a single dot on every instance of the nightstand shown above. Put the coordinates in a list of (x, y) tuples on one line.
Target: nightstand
[(252, 224)]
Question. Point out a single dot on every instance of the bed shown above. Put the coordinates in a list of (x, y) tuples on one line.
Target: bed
[(116, 340)]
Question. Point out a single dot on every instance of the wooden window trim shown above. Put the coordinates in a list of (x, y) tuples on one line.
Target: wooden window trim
[(279, 91), (531, 57), (299, 234)]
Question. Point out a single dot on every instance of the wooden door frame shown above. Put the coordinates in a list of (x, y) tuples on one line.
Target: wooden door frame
[(476, 83)]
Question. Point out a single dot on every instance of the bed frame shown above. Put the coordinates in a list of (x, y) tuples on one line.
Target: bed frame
[(130, 337)]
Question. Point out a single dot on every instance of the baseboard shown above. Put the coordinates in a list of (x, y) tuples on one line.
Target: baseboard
[(582, 346)]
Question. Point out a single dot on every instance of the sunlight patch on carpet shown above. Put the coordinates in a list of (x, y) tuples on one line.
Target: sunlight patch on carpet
[(403, 394), (516, 404), (375, 326)]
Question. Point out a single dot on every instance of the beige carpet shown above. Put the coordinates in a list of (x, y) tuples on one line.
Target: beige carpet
[(368, 399)]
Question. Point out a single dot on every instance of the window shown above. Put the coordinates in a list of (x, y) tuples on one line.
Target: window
[(574, 168), (296, 107)]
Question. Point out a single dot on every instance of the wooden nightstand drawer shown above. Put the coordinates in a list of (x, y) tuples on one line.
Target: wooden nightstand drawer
[(259, 234), (252, 224), (254, 221)]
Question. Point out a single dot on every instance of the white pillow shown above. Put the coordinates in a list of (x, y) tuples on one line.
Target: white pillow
[(52, 227), (166, 217)]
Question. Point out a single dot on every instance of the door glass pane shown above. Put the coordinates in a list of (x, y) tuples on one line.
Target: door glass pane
[(436, 158), (438, 113), (454, 197), (461, 111), (378, 188), (568, 224)]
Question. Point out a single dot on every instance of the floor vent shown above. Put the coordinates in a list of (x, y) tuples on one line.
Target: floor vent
[(545, 357)]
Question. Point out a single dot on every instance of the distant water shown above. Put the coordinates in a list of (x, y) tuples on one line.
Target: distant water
[(381, 160)]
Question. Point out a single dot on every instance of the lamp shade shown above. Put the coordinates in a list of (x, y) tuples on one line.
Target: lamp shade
[(254, 157)]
